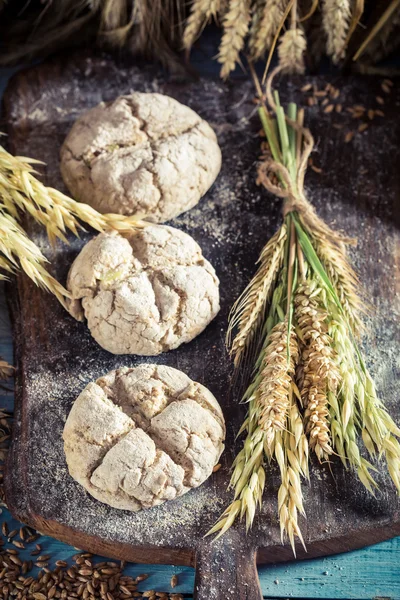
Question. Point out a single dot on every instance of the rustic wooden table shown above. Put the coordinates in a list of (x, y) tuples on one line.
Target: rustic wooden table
[(365, 574)]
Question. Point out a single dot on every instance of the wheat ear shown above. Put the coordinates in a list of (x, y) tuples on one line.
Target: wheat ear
[(320, 371), (291, 49), (274, 380), (200, 13), (20, 251), (235, 28), (248, 476), (265, 23), (336, 15), (248, 311), (20, 190)]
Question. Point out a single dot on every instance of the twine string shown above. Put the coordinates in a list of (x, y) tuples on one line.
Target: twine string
[(292, 192)]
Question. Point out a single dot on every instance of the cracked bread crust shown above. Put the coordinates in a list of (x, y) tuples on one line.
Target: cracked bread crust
[(141, 154), (140, 436), (143, 294)]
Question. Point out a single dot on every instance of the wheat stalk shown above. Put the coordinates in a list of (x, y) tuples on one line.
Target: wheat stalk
[(235, 28), (336, 15), (265, 23), (249, 310)]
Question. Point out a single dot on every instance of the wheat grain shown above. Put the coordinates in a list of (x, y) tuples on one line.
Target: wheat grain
[(265, 23), (336, 16), (235, 28), (248, 311), (320, 372), (292, 47)]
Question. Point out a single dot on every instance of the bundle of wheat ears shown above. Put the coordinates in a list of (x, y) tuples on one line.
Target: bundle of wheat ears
[(319, 26), (21, 193), (163, 29), (297, 325)]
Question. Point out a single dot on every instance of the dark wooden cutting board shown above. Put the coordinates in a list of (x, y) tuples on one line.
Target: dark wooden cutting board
[(358, 191)]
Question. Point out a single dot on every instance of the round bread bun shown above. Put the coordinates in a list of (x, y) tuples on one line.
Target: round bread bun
[(143, 294), (140, 436), (143, 154)]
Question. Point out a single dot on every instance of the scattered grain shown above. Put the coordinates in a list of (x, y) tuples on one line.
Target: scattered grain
[(174, 581), (329, 108), (362, 127), (12, 534), (386, 88), (348, 137), (380, 100)]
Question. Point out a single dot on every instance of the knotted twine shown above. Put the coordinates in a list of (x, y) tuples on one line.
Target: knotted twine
[(292, 191)]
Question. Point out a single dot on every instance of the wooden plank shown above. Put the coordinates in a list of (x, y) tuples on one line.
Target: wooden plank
[(232, 223), (361, 575)]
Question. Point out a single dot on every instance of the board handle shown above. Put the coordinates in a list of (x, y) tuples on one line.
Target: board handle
[(226, 570)]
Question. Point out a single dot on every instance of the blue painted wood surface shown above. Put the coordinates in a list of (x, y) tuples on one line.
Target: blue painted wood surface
[(361, 575)]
